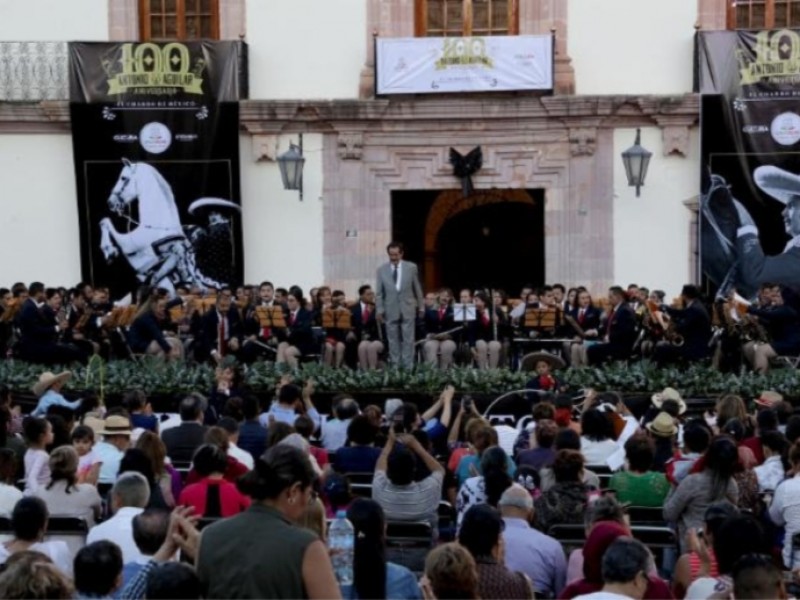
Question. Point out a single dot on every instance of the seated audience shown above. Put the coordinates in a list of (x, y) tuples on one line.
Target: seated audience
[(541, 453), (394, 488), (63, 495), (336, 494), (687, 569), (183, 440), (149, 532), (597, 441), (34, 577), (89, 463), (484, 437), (772, 471), (28, 525), (487, 487), (360, 454), (140, 411), (783, 509), (280, 487), (696, 439), (212, 496), (638, 485), (252, 435), (116, 434), (527, 550), (217, 436), (373, 575), (334, 431), (567, 439), (481, 534), (9, 493), (98, 570), (450, 573), (687, 505), (291, 401), (605, 508), (129, 496), (165, 477), (756, 577), (137, 461), (565, 502), (173, 581), (625, 566), (314, 519), (39, 435), (305, 427), (231, 427)]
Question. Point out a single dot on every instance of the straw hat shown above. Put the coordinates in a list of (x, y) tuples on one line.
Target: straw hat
[(48, 379), (116, 425), (669, 394), (663, 425), (769, 399), (529, 361)]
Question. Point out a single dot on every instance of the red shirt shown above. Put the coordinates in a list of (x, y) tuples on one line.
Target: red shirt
[(754, 443), (232, 502), (321, 455), (234, 470)]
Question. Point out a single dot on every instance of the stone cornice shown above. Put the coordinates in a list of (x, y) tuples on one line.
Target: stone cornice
[(270, 117)]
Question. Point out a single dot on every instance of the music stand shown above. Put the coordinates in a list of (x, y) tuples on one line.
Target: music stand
[(270, 317), (464, 313)]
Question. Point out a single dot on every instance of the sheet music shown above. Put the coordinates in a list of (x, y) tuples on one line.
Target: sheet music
[(464, 312)]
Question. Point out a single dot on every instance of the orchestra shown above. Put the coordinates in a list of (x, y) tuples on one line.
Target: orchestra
[(485, 329)]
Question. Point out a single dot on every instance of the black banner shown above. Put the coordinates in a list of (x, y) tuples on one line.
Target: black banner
[(155, 131), (750, 118)]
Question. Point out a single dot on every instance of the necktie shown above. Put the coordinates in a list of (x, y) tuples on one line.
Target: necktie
[(291, 319), (222, 343), (365, 314), (394, 274), (485, 318), (581, 315), (441, 314)]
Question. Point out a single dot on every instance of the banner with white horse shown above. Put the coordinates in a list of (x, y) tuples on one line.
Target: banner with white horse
[(156, 146)]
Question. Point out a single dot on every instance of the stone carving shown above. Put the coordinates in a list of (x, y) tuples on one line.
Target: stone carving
[(350, 146), (582, 141), (265, 147), (675, 140), (33, 71)]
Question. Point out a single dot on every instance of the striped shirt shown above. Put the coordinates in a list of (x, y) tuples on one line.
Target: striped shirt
[(418, 501)]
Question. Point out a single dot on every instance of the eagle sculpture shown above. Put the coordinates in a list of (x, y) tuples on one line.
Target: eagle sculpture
[(464, 167)]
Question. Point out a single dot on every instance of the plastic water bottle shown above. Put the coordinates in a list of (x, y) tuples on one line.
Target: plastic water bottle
[(341, 543)]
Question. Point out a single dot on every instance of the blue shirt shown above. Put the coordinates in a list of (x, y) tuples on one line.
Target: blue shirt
[(129, 571), (148, 422), (356, 459), (52, 398), (464, 470), (110, 456), (400, 585), (285, 414), (537, 555)]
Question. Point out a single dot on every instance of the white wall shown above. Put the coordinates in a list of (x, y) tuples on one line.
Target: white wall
[(631, 46), (39, 226), (306, 49), (53, 20), (651, 233), (282, 236)]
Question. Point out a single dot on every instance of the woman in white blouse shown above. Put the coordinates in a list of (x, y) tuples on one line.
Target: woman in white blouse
[(597, 437), (487, 487)]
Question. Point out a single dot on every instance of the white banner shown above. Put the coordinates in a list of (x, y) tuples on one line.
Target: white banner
[(474, 64)]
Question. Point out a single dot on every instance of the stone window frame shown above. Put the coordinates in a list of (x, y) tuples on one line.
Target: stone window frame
[(123, 20), (181, 10), (421, 17)]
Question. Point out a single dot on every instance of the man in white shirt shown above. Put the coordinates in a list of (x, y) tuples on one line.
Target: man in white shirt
[(129, 496), (232, 427), (116, 439), (334, 432), (626, 564)]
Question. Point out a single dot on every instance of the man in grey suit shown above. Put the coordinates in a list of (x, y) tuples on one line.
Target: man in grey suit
[(398, 300)]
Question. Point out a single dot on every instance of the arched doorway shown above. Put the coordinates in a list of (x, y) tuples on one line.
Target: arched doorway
[(494, 238)]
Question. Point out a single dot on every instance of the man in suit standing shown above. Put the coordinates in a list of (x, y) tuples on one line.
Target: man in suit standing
[(398, 300), (620, 331)]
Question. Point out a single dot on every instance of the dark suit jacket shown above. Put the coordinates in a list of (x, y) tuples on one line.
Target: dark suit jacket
[(34, 326), (591, 320), (694, 324), (434, 325), (145, 329), (783, 325), (183, 440), (757, 268), (206, 339), (622, 331), (370, 328), (477, 330), (300, 334)]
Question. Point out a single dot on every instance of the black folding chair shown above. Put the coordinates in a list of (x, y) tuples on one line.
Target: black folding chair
[(408, 543), (646, 515)]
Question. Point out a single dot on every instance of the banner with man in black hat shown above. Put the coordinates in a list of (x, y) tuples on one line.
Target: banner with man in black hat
[(155, 129), (750, 119)]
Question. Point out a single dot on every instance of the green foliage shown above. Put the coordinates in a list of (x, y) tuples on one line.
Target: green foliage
[(156, 377)]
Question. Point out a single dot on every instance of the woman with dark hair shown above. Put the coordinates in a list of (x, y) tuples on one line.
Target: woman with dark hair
[(298, 339), (597, 442), (640, 485), (736, 430), (29, 523), (280, 487), (64, 496), (212, 496), (145, 335), (373, 576), (565, 502), (137, 461), (482, 534), (487, 487), (714, 483), (567, 439), (165, 475), (217, 436)]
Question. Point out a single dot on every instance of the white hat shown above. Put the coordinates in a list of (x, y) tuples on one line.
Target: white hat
[(778, 183), (48, 379)]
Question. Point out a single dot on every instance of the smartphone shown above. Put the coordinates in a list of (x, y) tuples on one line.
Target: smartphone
[(398, 421)]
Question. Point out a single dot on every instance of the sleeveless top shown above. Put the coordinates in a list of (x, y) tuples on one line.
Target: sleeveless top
[(256, 554), (694, 565)]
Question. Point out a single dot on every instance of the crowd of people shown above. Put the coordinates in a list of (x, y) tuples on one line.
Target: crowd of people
[(482, 329), (235, 497)]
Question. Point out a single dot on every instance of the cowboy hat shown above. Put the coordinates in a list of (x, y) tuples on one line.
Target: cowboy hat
[(662, 426), (669, 394), (48, 379), (778, 183), (769, 399), (529, 361), (213, 204), (116, 425)]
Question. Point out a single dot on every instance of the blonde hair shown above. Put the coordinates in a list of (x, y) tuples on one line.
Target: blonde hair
[(63, 466), (314, 520), (452, 572), (32, 577), (731, 406)]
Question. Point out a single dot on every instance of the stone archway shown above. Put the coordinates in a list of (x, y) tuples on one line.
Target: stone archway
[(447, 205)]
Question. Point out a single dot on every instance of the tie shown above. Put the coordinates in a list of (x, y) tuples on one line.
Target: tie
[(291, 319), (485, 318), (441, 314), (610, 319), (365, 314), (394, 274), (581, 315), (222, 342)]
